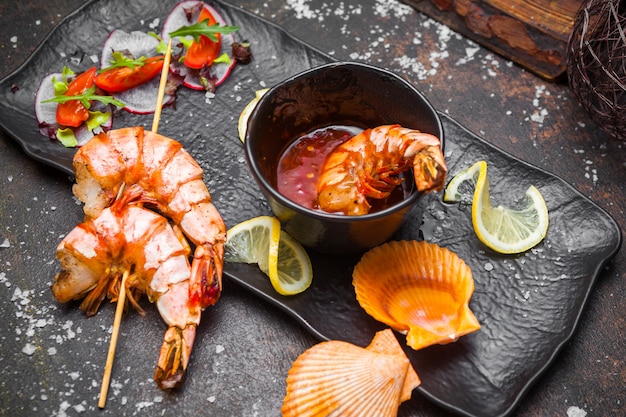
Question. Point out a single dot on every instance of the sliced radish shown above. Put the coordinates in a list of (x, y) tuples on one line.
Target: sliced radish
[(45, 113), (186, 13), (141, 99)]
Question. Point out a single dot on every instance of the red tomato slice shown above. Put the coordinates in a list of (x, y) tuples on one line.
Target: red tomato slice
[(203, 52), (116, 80), (72, 113)]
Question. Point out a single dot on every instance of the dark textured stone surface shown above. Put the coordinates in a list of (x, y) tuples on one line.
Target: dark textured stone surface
[(247, 345)]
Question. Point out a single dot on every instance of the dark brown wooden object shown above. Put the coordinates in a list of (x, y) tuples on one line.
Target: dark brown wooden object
[(532, 33)]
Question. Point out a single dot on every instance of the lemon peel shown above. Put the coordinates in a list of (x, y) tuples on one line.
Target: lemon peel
[(503, 229)]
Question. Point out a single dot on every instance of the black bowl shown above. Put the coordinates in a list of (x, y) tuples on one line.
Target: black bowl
[(343, 93)]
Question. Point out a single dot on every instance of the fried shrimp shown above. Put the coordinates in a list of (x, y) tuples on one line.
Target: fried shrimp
[(130, 239), (368, 166), (138, 166)]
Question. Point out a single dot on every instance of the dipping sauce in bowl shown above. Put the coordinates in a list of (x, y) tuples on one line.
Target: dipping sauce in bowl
[(309, 115), (300, 166)]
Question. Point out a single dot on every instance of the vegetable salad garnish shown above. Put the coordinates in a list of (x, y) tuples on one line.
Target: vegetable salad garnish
[(74, 106)]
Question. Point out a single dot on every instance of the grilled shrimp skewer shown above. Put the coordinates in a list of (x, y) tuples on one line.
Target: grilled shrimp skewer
[(136, 165), (368, 165), (130, 239)]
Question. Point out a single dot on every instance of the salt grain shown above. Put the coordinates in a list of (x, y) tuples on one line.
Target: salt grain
[(154, 24), (576, 412), (143, 404), (29, 349), (385, 8), (539, 116), (301, 8)]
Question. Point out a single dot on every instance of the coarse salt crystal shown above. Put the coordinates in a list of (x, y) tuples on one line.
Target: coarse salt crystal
[(29, 349), (143, 404), (576, 412)]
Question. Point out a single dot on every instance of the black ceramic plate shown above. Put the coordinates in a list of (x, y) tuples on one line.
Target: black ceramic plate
[(528, 305)]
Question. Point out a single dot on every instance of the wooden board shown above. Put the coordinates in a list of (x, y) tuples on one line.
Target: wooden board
[(532, 33)]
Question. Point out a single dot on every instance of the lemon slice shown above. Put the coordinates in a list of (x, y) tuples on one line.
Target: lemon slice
[(503, 229), (245, 113), (295, 272), (461, 186), (283, 259)]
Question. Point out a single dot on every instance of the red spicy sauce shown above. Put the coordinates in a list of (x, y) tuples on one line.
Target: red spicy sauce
[(300, 164), (299, 167)]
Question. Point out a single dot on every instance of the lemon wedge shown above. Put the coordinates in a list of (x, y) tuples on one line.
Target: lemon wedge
[(245, 113), (503, 229), (283, 259)]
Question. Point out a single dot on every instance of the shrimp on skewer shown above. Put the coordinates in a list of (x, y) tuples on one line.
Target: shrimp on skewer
[(135, 165), (131, 239), (368, 165)]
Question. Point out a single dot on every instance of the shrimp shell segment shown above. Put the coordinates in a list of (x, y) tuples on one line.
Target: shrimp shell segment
[(134, 165), (419, 289), (337, 378)]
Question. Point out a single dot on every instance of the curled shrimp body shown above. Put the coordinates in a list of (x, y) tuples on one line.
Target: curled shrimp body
[(368, 166), (135, 165), (129, 239)]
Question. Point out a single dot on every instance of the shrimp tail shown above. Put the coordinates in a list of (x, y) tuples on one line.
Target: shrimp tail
[(429, 171), (174, 356), (205, 284)]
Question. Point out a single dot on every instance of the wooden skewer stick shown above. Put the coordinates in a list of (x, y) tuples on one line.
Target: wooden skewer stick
[(104, 389), (166, 66), (121, 300)]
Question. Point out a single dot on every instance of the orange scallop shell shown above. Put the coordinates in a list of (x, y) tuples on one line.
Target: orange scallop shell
[(419, 289), (339, 378)]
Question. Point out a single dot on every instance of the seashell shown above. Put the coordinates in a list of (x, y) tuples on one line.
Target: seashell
[(419, 289), (385, 342), (337, 378)]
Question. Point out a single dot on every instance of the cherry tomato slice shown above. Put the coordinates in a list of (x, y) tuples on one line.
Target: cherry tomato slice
[(116, 80), (72, 113), (203, 52)]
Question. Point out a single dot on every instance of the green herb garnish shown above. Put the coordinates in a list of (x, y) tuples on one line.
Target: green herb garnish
[(203, 28), (85, 99), (120, 60), (65, 135), (97, 119), (224, 58), (61, 86)]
